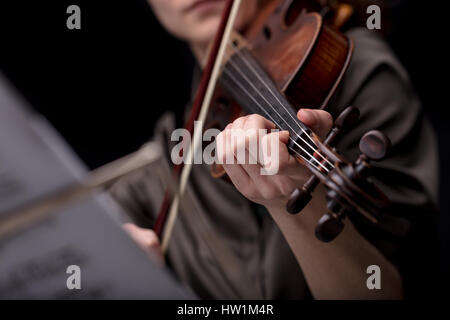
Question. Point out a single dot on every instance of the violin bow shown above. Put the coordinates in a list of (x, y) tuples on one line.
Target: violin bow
[(17, 220), (169, 211)]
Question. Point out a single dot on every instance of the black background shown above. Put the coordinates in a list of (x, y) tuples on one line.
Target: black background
[(103, 87)]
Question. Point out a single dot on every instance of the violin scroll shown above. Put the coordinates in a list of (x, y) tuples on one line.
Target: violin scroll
[(300, 197), (350, 192), (348, 189)]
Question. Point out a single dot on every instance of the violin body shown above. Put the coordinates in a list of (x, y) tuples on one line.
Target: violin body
[(305, 58)]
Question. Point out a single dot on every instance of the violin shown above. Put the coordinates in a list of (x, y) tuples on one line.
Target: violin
[(292, 56)]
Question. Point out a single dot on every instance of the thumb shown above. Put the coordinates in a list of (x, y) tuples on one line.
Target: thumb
[(319, 121), (284, 137)]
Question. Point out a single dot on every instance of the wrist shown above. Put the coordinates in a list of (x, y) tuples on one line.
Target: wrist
[(305, 221)]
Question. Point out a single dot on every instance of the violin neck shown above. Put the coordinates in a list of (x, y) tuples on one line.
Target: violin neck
[(246, 82)]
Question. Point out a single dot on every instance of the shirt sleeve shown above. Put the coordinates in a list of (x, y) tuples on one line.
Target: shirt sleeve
[(378, 85), (141, 193)]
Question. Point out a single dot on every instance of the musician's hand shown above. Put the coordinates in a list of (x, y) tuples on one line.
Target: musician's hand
[(271, 191), (147, 240)]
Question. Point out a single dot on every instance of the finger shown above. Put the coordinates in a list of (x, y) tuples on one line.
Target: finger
[(257, 127), (319, 121), (276, 158), (243, 176), (244, 138), (246, 169), (237, 174), (145, 237), (255, 121), (147, 240), (223, 146), (284, 136), (239, 122), (253, 168)]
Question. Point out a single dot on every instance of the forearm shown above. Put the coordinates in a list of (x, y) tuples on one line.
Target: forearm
[(335, 270)]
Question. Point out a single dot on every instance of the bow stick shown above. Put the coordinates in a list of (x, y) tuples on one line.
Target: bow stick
[(169, 212), (17, 220)]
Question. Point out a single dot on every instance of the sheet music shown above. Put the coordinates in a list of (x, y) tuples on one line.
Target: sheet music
[(33, 158), (35, 162)]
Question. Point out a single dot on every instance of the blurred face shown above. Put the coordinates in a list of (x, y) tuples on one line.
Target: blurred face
[(196, 21)]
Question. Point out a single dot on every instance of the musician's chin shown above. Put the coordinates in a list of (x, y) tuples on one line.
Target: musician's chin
[(207, 8)]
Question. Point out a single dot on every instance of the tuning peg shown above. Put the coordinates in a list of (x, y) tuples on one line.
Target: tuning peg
[(375, 145), (298, 200), (346, 120), (331, 224), (329, 227)]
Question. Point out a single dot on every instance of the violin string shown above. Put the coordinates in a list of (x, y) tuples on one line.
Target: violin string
[(271, 118), (248, 62)]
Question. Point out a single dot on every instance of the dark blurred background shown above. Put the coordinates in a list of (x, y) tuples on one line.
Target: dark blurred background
[(103, 87)]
